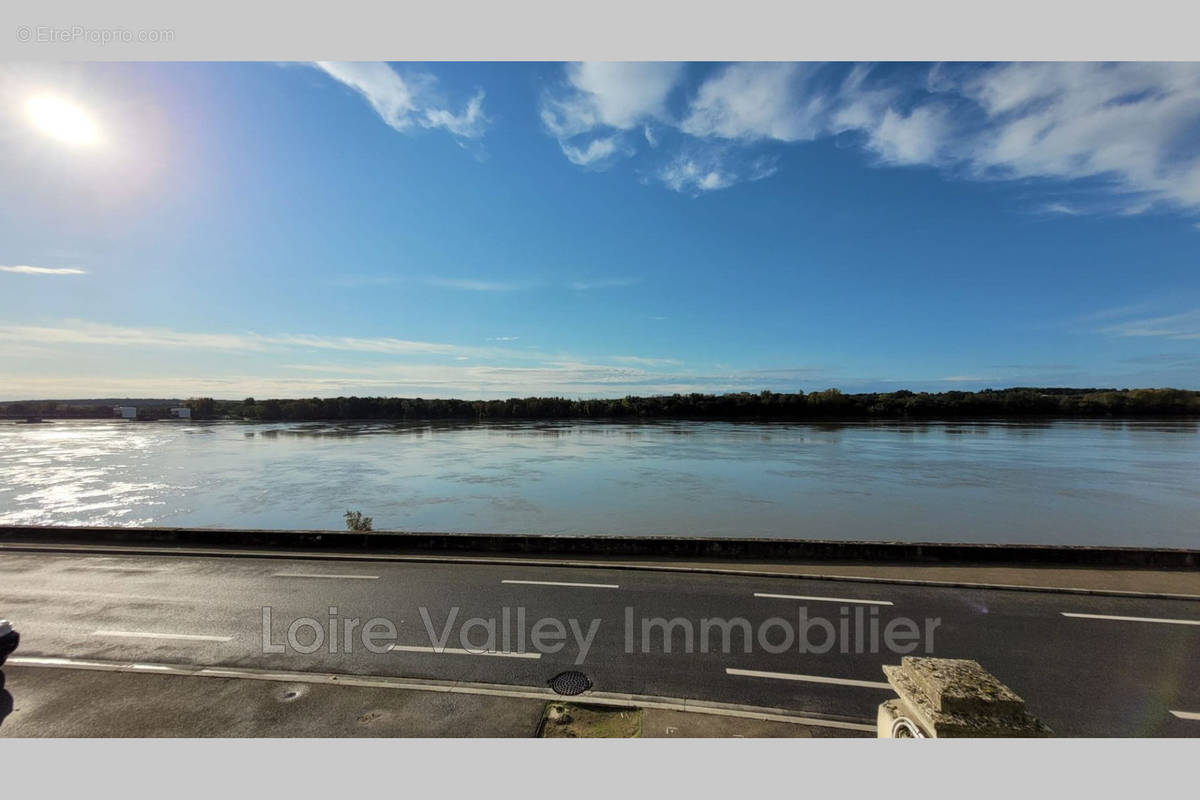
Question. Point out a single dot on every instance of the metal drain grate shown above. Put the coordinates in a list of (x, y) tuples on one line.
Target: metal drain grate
[(570, 683)]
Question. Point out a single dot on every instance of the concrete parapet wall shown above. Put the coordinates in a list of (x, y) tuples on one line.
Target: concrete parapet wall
[(640, 546)]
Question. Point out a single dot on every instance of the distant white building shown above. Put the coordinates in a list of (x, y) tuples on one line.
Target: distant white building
[(125, 412), (182, 413)]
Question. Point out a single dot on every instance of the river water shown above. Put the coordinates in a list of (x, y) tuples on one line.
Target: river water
[(1063, 482)]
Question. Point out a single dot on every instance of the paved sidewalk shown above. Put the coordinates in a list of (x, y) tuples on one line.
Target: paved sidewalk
[(54, 702)]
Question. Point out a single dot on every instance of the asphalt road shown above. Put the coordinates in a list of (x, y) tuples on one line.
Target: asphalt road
[(1124, 667)]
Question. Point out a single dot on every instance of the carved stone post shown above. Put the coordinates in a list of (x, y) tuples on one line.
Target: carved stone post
[(952, 697)]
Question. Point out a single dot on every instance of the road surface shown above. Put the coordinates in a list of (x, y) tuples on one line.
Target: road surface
[(1087, 665)]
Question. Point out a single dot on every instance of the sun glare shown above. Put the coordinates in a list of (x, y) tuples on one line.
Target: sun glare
[(63, 120)]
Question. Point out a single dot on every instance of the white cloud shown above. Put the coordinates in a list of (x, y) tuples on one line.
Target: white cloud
[(760, 168), (756, 101), (409, 101), (643, 361), (706, 171), (1129, 131), (359, 281), (913, 138), (1184, 326), (470, 124), (77, 332), (617, 94), (1064, 209), (596, 151), (604, 99), (25, 270), (686, 174), (603, 283), (1131, 124), (92, 333), (472, 285), (80, 359)]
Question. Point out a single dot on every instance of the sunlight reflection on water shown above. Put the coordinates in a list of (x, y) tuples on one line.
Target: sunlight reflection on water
[(1093, 482)]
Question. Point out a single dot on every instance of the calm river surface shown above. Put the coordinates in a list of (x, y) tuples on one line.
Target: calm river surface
[(1071, 482)]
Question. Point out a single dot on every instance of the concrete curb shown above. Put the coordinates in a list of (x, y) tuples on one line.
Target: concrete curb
[(544, 562), (611, 699), (412, 543)]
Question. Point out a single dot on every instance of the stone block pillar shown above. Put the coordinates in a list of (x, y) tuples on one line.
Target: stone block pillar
[(952, 697)]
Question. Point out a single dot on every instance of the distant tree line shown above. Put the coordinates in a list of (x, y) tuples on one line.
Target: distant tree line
[(57, 408), (148, 408), (830, 403), (827, 404)]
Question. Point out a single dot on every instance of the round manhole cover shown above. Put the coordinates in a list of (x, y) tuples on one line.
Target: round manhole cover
[(570, 683)]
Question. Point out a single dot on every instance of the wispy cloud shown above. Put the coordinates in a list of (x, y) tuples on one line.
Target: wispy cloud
[(472, 285), (90, 359), (644, 361), (92, 333), (751, 102), (711, 169), (601, 101), (351, 281), (688, 175), (1124, 132), (503, 338), (1184, 326), (410, 101), (1128, 310), (1061, 209), (603, 283), (966, 378), (26, 270), (593, 152)]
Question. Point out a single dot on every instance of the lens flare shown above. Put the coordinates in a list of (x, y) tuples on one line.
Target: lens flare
[(63, 120)]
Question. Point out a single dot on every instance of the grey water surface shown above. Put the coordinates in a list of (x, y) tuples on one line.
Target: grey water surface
[(1057, 482)]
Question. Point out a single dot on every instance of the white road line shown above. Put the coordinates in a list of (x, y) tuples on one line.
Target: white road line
[(57, 596), (408, 648), (113, 568), (788, 676), (567, 583), (324, 575), (1187, 714), (823, 599), (185, 637), (1132, 619)]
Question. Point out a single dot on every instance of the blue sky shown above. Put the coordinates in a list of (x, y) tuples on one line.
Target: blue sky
[(488, 230)]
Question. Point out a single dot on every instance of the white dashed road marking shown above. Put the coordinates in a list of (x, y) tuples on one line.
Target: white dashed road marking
[(788, 676), (566, 583), (184, 637), (1132, 619), (324, 575), (456, 651), (823, 599)]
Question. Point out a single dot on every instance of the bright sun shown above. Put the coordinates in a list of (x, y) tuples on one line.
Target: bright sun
[(63, 120)]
